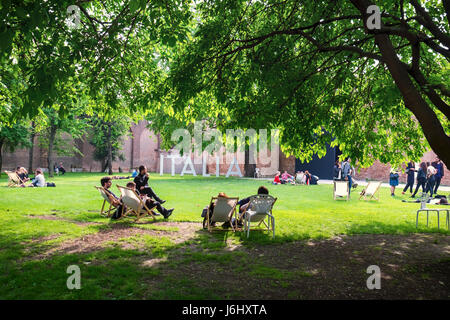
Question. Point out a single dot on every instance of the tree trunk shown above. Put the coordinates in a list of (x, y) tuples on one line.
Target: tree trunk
[(427, 118), (51, 140), (104, 164), (109, 149), (31, 151), (1, 156)]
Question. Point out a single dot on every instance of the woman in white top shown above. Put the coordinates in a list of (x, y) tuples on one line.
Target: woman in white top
[(431, 179)]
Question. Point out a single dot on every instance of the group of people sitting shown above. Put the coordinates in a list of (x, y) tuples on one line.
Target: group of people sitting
[(142, 189), (300, 178), (243, 206), (59, 168), (37, 181)]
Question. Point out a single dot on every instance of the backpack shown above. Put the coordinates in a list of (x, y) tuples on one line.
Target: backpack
[(51, 184)]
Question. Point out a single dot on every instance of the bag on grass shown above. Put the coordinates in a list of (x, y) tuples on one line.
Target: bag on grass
[(51, 184)]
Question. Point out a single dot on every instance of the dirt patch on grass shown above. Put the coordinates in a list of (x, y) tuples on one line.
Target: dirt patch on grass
[(114, 232), (80, 223), (412, 267)]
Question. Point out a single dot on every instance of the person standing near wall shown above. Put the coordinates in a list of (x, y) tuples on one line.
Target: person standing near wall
[(393, 180), (337, 174), (431, 179), (346, 173), (410, 169), (421, 178)]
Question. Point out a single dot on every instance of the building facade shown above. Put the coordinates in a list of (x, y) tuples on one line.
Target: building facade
[(142, 147)]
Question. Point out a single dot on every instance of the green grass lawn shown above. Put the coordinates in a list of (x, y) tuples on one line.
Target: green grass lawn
[(301, 213)]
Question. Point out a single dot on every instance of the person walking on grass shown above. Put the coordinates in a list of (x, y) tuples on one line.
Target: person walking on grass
[(347, 173), (431, 179), (439, 173), (393, 180), (410, 169), (421, 178)]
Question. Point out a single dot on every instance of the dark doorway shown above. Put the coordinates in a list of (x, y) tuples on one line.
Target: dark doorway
[(323, 168)]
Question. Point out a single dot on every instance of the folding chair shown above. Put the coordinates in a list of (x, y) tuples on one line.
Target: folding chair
[(423, 208), (370, 191), (13, 179), (105, 200), (134, 204), (223, 211), (340, 190), (259, 207)]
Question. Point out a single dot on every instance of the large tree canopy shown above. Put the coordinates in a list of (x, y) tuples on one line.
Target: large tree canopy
[(310, 68), (314, 70)]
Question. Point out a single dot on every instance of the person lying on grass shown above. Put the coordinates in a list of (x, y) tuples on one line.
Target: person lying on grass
[(150, 203), (115, 201)]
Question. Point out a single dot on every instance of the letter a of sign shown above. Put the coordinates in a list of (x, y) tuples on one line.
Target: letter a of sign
[(374, 281), (374, 20), (74, 281)]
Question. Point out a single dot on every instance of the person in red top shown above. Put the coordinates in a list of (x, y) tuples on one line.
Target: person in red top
[(277, 180)]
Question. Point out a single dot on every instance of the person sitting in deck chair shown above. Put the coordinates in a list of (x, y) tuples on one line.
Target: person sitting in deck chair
[(23, 174), (115, 200), (211, 210), (150, 203), (141, 181), (244, 203)]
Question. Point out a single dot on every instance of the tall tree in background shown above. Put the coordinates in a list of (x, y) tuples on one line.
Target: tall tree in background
[(107, 138), (316, 71), (12, 137), (56, 124)]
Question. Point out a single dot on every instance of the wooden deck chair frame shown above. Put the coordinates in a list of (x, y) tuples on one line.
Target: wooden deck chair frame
[(144, 209), (270, 217), (13, 179), (230, 214), (335, 183), (372, 196), (103, 193)]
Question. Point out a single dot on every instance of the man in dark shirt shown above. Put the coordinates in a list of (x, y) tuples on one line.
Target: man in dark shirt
[(150, 203), (141, 181), (115, 200), (439, 174)]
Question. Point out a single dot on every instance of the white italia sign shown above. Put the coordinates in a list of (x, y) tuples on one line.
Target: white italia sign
[(188, 167)]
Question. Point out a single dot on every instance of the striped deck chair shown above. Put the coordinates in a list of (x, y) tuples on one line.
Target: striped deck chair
[(340, 190), (223, 210), (13, 179), (259, 208), (105, 197), (371, 189), (134, 204)]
